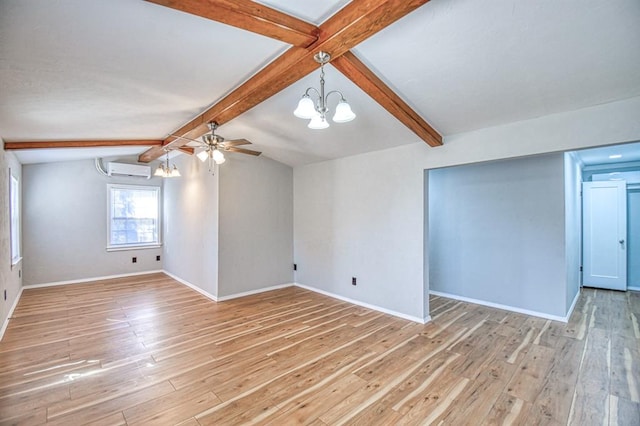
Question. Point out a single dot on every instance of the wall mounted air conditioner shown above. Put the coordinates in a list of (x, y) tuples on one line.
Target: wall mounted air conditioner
[(124, 169)]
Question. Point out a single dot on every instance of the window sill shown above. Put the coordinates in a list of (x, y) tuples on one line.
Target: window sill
[(126, 248), (15, 261)]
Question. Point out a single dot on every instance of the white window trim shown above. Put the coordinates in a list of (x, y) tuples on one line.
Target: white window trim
[(137, 246), (15, 257)]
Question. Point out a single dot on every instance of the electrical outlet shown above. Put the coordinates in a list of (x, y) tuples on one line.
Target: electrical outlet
[(353, 280), (295, 266), (158, 258), (134, 260)]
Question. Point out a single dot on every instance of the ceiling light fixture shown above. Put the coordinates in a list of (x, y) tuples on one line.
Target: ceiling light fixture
[(614, 156), (166, 171), (211, 153), (316, 111)]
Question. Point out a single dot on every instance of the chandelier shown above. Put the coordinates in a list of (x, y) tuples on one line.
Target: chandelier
[(166, 171), (316, 111)]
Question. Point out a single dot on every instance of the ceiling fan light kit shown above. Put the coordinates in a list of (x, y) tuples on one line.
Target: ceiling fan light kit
[(316, 111), (214, 147)]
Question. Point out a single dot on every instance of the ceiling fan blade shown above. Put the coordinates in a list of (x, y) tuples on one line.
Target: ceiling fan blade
[(236, 142), (243, 151), (187, 139), (186, 149)]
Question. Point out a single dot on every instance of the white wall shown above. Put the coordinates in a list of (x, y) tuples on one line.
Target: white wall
[(190, 217), (255, 224), (362, 217), (10, 276), (357, 189), (608, 124), (573, 226), (65, 225), (497, 232)]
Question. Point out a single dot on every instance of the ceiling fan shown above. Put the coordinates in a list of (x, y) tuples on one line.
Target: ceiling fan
[(215, 145)]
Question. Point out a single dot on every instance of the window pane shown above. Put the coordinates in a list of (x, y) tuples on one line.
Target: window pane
[(134, 216)]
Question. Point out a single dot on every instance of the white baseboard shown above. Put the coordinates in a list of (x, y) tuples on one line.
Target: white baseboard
[(249, 293), (368, 305), (85, 280), (230, 296), (633, 288), (503, 307), (276, 287), (5, 324), (192, 286)]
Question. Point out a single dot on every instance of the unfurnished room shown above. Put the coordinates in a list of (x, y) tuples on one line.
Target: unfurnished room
[(278, 212)]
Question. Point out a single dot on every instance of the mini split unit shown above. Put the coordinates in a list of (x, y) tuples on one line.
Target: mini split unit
[(124, 169)]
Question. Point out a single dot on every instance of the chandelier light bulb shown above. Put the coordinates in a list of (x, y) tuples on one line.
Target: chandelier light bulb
[(343, 113), (318, 122), (306, 108)]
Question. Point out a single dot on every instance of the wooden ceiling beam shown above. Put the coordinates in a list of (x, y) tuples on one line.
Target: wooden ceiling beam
[(354, 23), (78, 144), (250, 16), (349, 65), (358, 21)]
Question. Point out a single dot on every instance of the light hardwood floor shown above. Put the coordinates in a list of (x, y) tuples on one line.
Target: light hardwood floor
[(147, 350)]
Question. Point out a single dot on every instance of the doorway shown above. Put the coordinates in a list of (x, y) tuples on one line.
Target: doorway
[(611, 216)]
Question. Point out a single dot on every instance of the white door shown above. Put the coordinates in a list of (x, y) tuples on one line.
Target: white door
[(604, 229)]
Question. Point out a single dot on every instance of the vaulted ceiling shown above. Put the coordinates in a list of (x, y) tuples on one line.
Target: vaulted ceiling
[(87, 70)]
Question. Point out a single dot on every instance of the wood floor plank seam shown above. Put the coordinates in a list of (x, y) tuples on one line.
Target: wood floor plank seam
[(146, 349)]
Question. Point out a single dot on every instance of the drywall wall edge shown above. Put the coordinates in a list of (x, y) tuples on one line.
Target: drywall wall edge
[(573, 305)]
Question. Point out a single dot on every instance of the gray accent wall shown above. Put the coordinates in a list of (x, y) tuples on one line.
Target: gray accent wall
[(255, 224), (10, 276), (65, 225), (190, 215), (497, 232)]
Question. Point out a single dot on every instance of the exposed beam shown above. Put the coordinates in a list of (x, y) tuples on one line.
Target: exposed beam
[(79, 144), (187, 150), (371, 84), (250, 16), (354, 23)]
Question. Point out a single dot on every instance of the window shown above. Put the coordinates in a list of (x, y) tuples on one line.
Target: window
[(134, 216), (14, 211)]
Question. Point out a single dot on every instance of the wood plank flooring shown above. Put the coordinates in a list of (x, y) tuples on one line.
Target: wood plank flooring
[(147, 350)]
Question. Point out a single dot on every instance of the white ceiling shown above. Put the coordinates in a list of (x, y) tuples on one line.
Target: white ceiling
[(115, 69)]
